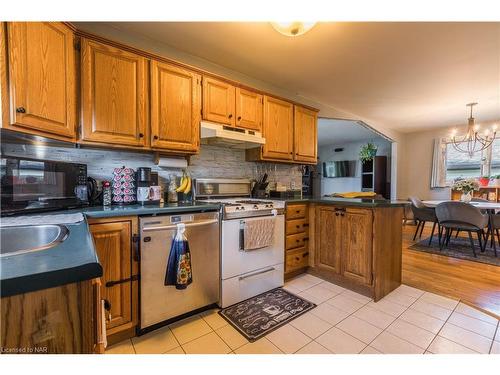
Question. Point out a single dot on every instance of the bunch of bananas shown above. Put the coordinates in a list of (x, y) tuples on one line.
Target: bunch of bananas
[(186, 182)]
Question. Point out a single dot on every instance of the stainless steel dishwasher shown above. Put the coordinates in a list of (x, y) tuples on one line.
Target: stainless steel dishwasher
[(160, 303)]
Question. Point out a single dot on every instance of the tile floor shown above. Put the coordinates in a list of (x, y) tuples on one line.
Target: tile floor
[(407, 321)]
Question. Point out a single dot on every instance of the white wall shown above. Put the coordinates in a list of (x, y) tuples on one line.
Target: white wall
[(416, 163), (351, 152)]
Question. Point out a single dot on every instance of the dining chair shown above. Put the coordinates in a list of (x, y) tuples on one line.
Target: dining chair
[(479, 200), (464, 217), (423, 214), (495, 221)]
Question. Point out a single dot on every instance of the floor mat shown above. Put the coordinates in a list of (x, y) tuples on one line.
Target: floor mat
[(458, 248), (259, 315)]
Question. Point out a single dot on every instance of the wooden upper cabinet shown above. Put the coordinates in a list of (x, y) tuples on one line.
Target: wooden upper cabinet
[(175, 108), (42, 71), (329, 239), (357, 245), (248, 109), (305, 139), (218, 101), (113, 246), (278, 129), (114, 92)]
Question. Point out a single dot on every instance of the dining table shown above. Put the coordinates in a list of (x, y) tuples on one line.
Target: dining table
[(489, 207)]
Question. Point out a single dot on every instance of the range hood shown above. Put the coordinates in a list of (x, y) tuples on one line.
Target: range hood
[(221, 135)]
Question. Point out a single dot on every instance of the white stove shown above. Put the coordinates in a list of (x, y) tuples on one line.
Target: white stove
[(245, 273), (234, 195)]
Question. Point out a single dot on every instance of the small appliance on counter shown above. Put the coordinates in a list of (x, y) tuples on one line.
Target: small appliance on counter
[(30, 185), (148, 188)]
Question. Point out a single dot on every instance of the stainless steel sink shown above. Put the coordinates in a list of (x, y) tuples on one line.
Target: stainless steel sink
[(29, 238)]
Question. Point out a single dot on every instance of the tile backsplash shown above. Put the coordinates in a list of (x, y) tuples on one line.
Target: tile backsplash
[(212, 161)]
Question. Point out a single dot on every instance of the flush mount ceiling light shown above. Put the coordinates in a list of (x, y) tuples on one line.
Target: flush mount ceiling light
[(293, 28), (473, 141)]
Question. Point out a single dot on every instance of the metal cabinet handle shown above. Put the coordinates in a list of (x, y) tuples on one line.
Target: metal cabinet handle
[(239, 118), (141, 135), (20, 110), (155, 137), (174, 226), (230, 115), (257, 273)]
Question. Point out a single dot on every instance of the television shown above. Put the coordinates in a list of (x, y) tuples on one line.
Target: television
[(335, 169)]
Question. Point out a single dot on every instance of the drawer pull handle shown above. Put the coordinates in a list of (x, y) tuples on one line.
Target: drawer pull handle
[(298, 211), (297, 226), (109, 284), (305, 254), (297, 258), (305, 225), (256, 273)]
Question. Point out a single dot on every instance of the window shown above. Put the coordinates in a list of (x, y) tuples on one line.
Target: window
[(485, 163), (459, 164), (495, 158)]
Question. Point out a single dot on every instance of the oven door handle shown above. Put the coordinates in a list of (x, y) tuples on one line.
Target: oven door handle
[(188, 225), (257, 273)]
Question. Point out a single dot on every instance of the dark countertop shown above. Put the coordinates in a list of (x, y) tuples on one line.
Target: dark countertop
[(73, 260), (137, 209), (358, 202)]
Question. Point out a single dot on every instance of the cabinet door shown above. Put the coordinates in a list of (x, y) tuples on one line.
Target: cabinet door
[(113, 95), (248, 109), (278, 129), (218, 101), (305, 138), (113, 245), (175, 108), (42, 78), (357, 245), (329, 239)]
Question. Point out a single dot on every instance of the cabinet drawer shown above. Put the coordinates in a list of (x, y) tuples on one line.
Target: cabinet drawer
[(296, 211), (296, 240), (297, 258), (297, 226)]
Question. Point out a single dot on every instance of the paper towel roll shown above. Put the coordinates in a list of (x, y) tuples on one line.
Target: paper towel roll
[(172, 163)]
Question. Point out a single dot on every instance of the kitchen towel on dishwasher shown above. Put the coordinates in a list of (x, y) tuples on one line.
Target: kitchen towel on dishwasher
[(179, 271), (257, 233)]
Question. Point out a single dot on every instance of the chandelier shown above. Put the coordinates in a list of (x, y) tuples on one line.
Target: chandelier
[(293, 28), (473, 141)]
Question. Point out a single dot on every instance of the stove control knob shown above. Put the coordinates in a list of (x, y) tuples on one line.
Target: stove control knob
[(242, 207), (255, 206)]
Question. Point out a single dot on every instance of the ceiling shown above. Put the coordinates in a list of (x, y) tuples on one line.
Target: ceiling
[(403, 76), (334, 132)]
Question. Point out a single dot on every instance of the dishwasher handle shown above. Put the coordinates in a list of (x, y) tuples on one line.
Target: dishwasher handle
[(174, 226)]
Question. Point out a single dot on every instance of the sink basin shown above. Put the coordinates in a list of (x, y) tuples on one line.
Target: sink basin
[(29, 238)]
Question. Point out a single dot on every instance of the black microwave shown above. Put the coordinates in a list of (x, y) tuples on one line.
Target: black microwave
[(31, 185)]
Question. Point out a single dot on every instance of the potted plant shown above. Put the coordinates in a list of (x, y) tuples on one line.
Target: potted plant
[(466, 186), (484, 180), (367, 152)]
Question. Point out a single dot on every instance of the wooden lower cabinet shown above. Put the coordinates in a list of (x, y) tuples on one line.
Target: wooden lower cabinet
[(359, 248), (115, 246), (63, 319), (296, 239)]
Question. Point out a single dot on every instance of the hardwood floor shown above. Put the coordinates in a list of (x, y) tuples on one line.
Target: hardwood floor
[(474, 283)]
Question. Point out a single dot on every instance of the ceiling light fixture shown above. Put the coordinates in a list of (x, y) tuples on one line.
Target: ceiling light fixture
[(293, 28), (473, 141)]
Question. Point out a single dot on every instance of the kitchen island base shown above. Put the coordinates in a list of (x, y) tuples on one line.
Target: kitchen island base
[(357, 247)]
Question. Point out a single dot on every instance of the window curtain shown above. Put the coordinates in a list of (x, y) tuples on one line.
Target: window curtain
[(438, 176)]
